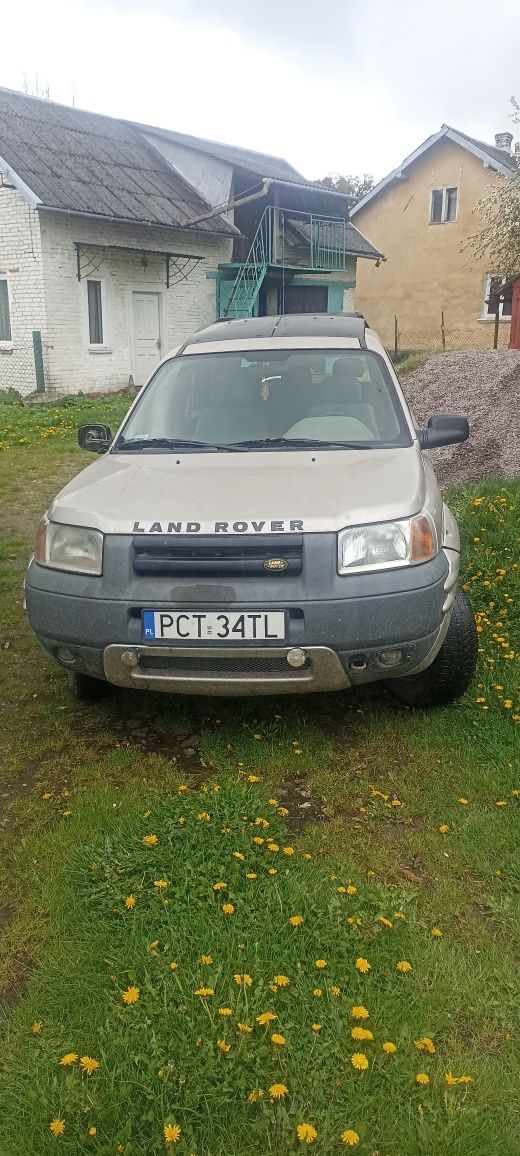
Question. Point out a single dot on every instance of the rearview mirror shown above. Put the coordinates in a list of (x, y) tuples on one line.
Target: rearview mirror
[(96, 438), (443, 429)]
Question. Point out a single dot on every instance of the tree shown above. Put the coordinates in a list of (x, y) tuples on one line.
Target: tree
[(355, 187), (499, 208)]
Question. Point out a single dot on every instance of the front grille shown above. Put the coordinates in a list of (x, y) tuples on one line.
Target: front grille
[(208, 556), (203, 665)]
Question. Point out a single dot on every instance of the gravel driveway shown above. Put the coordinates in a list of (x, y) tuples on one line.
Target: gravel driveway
[(485, 387)]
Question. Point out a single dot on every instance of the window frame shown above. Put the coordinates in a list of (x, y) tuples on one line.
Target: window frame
[(97, 346), (486, 315), (445, 189), (7, 342)]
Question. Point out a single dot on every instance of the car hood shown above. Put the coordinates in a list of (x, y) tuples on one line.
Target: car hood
[(253, 492)]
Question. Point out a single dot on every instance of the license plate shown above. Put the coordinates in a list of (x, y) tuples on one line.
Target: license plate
[(214, 626)]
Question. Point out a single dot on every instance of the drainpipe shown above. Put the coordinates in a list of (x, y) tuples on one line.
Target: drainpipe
[(235, 204)]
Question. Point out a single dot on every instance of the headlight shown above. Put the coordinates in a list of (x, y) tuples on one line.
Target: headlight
[(74, 548), (387, 544)]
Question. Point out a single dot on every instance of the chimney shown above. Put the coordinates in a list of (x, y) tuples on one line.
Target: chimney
[(504, 140)]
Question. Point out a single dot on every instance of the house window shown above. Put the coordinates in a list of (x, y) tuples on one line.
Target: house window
[(493, 282), (5, 315), (95, 313), (444, 205)]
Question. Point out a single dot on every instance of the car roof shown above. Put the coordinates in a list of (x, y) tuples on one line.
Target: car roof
[(243, 329)]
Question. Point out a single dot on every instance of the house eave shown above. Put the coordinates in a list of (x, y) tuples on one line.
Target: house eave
[(19, 184), (229, 233)]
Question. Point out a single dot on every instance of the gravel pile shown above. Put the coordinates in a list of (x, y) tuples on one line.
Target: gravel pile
[(484, 386)]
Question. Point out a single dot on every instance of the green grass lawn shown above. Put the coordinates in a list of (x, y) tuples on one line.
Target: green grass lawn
[(379, 827)]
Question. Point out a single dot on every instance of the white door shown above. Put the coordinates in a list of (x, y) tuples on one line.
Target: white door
[(147, 334)]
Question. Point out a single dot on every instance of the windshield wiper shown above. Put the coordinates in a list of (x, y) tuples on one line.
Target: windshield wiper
[(299, 443), (174, 444)]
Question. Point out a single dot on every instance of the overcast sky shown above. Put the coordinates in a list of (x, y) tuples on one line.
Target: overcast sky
[(346, 86)]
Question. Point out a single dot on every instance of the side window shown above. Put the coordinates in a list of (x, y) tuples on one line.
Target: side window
[(95, 312), (444, 205), (5, 314), (493, 282)]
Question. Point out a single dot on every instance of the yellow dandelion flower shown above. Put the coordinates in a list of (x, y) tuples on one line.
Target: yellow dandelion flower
[(425, 1044), (463, 802), (182, 789), (335, 990), (273, 847), (389, 1047), (272, 871), (306, 1132), (281, 980), (225, 1011), (261, 822), (258, 737), (152, 947), (257, 1094), (174, 965), (36, 1027), (296, 920), (146, 814), (318, 991), (315, 1027), (160, 884), (277, 1039), (203, 817), (266, 1018), (57, 1126), (422, 1078), (204, 992), (403, 966), (341, 890), (254, 779), (288, 850), (350, 1137), (465, 1080), (320, 964), (359, 1061), (92, 1130), (444, 828), (278, 1091), (351, 890), (246, 1029), (223, 1047), (206, 960), (436, 932), (362, 965), (359, 1012), (47, 795), (238, 855), (258, 839), (501, 803), (228, 908), (361, 1034), (68, 1058), (251, 875), (150, 840), (89, 1065), (508, 703), (283, 811), (243, 980), (219, 886), (130, 902), (172, 1133), (131, 995), (385, 922)]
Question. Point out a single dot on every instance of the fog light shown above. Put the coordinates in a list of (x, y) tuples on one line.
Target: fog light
[(296, 657), (391, 657), (65, 655), (129, 658)]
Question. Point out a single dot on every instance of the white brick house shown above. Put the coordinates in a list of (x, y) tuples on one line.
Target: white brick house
[(117, 242)]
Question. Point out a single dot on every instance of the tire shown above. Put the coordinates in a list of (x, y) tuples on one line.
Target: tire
[(451, 671), (84, 688)]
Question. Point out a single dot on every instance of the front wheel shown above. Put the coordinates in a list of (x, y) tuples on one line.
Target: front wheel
[(453, 668), (84, 688)]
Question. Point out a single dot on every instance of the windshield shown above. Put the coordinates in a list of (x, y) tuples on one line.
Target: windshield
[(283, 399)]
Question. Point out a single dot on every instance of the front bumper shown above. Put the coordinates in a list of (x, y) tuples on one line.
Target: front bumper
[(343, 624)]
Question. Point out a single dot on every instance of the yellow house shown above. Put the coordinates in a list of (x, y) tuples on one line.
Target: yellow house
[(431, 289)]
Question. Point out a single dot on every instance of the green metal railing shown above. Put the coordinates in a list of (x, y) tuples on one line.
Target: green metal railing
[(324, 237)]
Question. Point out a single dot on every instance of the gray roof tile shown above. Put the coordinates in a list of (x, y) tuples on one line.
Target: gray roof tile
[(86, 163)]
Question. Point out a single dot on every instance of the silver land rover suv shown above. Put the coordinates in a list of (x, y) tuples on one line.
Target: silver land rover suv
[(264, 521)]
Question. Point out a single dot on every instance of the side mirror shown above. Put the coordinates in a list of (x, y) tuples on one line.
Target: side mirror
[(444, 429), (96, 438)]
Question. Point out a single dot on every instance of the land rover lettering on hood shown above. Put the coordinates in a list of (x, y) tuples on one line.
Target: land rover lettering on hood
[(265, 521)]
